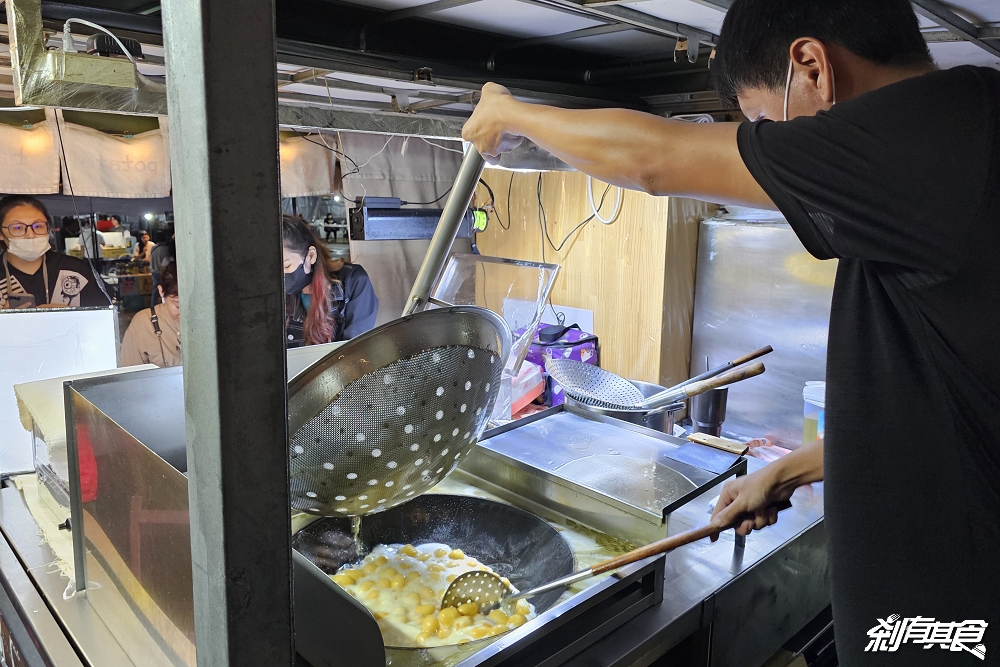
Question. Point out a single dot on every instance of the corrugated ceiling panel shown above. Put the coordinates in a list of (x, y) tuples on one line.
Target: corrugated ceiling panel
[(630, 43), (683, 11), (512, 17)]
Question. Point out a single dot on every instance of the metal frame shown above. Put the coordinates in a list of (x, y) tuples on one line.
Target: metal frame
[(954, 23), (225, 179)]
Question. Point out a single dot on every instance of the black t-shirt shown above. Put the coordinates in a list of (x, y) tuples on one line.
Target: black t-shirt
[(71, 283), (903, 186)]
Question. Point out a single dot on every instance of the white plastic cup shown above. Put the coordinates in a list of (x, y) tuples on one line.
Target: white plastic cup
[(814, 412)]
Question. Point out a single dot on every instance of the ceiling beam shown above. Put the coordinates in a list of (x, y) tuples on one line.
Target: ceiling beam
[(409, 13), (954, 23), (605, 29), (988, 33), (638, 20)]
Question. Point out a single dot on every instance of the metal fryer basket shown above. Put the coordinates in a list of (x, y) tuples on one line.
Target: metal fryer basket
[(389, 414)]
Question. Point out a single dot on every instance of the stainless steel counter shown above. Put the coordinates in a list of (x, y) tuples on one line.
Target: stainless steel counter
[(753, 598)]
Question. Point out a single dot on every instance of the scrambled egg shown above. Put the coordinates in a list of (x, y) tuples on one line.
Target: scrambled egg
[(403, 585)]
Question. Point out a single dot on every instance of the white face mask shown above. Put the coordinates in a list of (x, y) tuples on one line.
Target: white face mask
[(29, 249), (788, 86)]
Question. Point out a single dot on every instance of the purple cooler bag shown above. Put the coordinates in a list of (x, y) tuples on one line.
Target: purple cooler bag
[(559, 342)]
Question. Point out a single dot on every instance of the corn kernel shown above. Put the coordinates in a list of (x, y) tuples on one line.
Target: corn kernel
[(456, 554), (380, 561), (448, 615), (468, 609), (462, 622), (343, 580), (379, 615), (423, 637), (451, 577), (440, 553), (523, 608), (384, 583), (428, 593), (424, 609), (388, 572), (472, 562), (498, 616), (412, 576), (498, 630), (369, 568), (516, 620), (405, 566), (366, 585), (399, 582), (434, 567), (434, 577), (372, 594), (454, 563), (353, 574), (423, 556), (479, 632), (444, 633), (408, 550), (430, 624)]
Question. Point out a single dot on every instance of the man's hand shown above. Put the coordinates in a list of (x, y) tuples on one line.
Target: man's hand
[(487, 128), (755, 495), (758, 493)]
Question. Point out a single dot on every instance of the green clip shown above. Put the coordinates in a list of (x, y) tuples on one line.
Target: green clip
[(479, 220)]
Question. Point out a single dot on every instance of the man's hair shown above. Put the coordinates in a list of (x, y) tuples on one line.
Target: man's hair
[(756, 35)]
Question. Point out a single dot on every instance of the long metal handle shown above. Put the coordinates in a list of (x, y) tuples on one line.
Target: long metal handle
[(696, 388), (447, 229), (756, 354)]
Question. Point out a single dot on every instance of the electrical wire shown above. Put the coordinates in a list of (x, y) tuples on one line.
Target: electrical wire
[(597, 209), (544, 223), (69, 47), (433, 201), (93, 222), (491, 206), (444, 148)]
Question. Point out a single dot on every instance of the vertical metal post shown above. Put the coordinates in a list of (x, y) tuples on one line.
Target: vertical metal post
[(447, 228), (222, 101)]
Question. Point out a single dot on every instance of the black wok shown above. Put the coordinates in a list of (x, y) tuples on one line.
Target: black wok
[(516, 544)]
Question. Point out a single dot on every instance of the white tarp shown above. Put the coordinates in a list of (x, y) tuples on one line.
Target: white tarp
[(29, 158), (98, 164), (307, 168)]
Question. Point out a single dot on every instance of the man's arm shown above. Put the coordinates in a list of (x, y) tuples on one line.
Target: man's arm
[(627, 148), (757, 493)]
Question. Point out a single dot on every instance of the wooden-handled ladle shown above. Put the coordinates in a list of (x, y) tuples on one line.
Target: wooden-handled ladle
[(489, 591)]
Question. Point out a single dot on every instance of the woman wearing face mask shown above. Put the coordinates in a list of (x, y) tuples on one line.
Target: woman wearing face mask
[(325, 300), (154, 335), (33, 275)]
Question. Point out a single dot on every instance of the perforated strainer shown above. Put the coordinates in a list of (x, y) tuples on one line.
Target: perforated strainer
[(389, 414)]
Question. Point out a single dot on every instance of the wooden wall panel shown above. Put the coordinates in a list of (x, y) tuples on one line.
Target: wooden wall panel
[(620, 271)]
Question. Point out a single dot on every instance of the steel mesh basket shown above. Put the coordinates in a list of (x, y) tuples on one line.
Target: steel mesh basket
[(391, 413)]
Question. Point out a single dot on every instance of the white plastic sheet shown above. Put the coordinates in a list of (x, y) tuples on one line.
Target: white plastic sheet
[(45, 344)]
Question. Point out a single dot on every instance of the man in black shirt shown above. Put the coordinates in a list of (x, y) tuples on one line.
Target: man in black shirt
[(894, 168)]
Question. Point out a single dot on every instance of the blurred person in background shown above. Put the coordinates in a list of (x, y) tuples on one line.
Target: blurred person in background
[(325, 300), (144, 248), (154, 335), (34, 275)]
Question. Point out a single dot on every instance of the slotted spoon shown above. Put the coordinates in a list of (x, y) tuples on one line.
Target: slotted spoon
[(599, 388), (489, 591)]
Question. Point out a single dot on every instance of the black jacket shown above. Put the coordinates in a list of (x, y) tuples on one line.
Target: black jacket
[(353, 303)]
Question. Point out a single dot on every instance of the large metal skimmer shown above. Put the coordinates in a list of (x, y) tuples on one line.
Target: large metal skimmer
[(389, 414), (489, 591), (599, 388)]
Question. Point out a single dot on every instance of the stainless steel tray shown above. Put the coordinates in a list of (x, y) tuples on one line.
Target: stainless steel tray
[(605, 473)]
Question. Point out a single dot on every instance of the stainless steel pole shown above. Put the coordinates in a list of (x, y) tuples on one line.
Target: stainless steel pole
[(447, 228), (222, 101)]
